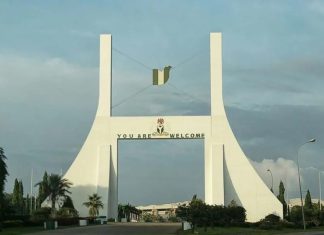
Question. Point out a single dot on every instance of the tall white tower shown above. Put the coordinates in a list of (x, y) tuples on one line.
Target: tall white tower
[(228, 173)]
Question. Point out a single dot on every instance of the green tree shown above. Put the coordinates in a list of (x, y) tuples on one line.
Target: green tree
[(3, 176), (18, 197), (20, 191), (196, 213), (55, 187), (147, 218), (125, 211), (42, 194), (67, 210), (68, 203), (21, 197), (308, 201), (281, 197), (33, 205), (183, 212), (15, 194), (121, 212), (27, 203), (235, 214), (94, 204), (8, 208), (311, 215)]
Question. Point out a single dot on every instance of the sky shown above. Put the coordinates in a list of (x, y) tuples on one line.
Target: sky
[(273, 68)]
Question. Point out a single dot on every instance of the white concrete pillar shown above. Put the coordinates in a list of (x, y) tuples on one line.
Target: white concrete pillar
[(217, 165), (103, 172), (104, 105), (113, 184), (216, 94), (208, 171)]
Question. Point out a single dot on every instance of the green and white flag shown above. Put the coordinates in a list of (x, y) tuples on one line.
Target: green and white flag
[(160, 77)]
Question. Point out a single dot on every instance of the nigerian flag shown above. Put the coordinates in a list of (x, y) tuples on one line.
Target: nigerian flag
[(161, 76)]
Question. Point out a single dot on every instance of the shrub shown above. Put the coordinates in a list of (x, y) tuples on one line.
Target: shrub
[(321, 217), (271, 221), (272, 218), (12, 223), (287, 224), (91, 220), (67, 221), (68, 203), (217, 215), (67, 213), (173, 219), (146, 217), (235, 214), (312, 216), (296, 215), (269, 226), (111, 220), (17, 217), (199, 214), (41, 214), (33, 223), (159, 219)]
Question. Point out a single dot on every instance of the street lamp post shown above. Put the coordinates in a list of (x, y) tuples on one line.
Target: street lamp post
[(320, 189), (301, 196), (271, 180)]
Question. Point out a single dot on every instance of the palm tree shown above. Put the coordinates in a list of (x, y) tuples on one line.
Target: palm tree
[(94, 204), (55, 187), (3, 170), (125, 211), (3, 176)]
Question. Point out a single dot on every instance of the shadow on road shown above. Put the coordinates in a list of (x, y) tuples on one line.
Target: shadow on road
[(120, 229)]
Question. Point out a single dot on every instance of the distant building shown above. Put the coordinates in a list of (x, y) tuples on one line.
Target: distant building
[(164, 210), (296, 202)]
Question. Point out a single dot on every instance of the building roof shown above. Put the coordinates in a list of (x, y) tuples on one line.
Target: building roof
[(296, 201), (166, 206)]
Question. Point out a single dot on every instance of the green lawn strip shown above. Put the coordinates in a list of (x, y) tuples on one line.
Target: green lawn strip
[(20, 230), (24, 230), (234, 230), (245, 231)]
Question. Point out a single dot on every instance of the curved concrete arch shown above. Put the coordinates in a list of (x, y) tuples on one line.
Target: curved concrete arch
[(228, 173)]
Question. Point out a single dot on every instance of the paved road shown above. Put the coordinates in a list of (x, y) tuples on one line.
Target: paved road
[(119, 229), (306, 233)]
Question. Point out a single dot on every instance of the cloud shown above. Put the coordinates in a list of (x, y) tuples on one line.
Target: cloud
[(41, 101), (316, 6), (162, 101), (51, 81), (289, 81), (285, 170), (81, 33), (282, 170), (278, 130)]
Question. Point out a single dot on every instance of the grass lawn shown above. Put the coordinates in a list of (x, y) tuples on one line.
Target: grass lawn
[(246, 231), (20, 230)]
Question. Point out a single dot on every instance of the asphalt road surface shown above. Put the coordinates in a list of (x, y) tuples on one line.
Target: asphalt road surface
[(119, 229), (306, 233)]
